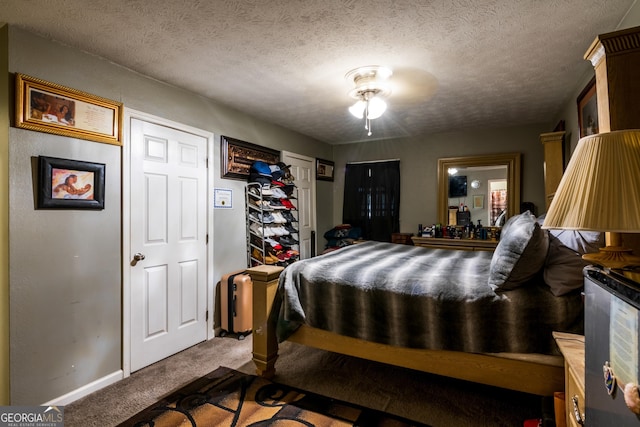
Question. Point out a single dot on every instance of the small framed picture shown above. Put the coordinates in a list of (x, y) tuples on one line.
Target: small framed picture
[(588, 110), (70, 184), (324, 170), (478, 202)]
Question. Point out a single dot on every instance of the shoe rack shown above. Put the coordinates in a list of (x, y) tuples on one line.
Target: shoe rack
[(272, 224)]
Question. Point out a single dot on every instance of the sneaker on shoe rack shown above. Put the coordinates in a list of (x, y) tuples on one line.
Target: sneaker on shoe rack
[(253, 216), (278, 193), (287, 241), (288, 216), (256, 228), (290, 228), (266, 218), (257, 255), (285, 232), (279, 218), (292, 253), (271, 258), (254, 190), (256, 241), (270, 241), (277, 230), (287, 204), (295, 237), (275, 204), (266, 206), (269, 231), (266, 190), (282, 256), (273, 244)]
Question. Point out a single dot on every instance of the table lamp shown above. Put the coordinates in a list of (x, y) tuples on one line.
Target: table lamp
[(600, 191)]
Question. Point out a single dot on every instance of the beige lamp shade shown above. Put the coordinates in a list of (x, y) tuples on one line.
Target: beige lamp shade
[(600, 189)]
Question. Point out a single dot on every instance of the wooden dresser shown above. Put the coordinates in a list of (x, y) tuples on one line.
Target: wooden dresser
[(458, 244), (572, 348)]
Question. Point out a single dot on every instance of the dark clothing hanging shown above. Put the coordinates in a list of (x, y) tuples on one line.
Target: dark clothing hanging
[(372, 199)]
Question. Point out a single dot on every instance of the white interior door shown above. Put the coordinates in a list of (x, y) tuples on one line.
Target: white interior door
[(168, 231), (302, 170)]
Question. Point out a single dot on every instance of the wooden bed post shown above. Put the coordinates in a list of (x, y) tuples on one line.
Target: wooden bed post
[(265, 343)]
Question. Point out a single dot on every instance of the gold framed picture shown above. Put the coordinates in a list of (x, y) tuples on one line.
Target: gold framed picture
[(48, 107), (238, 156)]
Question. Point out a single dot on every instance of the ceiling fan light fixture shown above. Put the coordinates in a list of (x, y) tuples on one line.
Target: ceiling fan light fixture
[(358, 108), (370, 87), (375, 108)]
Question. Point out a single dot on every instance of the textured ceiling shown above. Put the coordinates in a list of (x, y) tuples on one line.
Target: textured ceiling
[(457, 63)]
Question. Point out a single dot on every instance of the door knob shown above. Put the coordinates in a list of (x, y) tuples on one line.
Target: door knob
[(138, 256)]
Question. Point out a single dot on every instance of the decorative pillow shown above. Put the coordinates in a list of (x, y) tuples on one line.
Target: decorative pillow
[(563, 265), (520, 254), (343, 231)]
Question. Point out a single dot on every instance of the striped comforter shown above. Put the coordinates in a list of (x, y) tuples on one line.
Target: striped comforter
[(421, 298)]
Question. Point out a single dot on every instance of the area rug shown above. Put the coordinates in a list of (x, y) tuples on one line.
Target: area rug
[(226, 397)]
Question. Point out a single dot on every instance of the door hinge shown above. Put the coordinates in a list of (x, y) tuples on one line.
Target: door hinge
[(206, 316), (207, 239)]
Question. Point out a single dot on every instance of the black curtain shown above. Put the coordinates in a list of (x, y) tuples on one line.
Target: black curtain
[(372, 199)]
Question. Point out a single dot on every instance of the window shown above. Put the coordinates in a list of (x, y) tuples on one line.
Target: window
[(372, 199)]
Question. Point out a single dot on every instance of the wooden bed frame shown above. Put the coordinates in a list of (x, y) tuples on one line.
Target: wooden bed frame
[(537, 374)]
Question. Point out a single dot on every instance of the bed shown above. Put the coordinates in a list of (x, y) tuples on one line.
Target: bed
[(485, 317)]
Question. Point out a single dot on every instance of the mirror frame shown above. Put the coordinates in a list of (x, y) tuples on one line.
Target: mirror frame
[(513, 162)]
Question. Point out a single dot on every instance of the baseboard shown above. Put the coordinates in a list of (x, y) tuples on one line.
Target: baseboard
[(86, 390)]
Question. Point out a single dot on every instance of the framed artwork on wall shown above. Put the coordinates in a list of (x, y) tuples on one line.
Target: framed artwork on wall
[(238, 156), (48, 107), (324, 170), (588, 110), (478, 202), (70, 184)]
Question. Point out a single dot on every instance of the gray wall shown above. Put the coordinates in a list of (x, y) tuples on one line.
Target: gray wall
[(4, 216), (64, 276), (65, 266), (419, 166), (64, 279)]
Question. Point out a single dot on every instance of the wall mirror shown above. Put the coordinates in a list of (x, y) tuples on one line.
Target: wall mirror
[(489, 187)]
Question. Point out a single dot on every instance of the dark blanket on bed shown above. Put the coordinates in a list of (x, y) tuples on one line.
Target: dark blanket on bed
[(421, 298)]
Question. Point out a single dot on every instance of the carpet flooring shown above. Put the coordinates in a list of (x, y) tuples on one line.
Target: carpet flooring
[(226, 397), (425, 398)]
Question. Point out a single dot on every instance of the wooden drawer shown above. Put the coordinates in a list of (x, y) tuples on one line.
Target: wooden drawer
[(572, 348), (574, 398)]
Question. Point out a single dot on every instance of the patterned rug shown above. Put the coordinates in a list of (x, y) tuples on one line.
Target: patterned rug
[(226, 397)]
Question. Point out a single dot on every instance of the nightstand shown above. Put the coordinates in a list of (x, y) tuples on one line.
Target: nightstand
[(572, 348), (402, 238)]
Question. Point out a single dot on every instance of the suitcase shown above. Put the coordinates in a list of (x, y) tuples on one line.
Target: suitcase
[(236, 304)]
